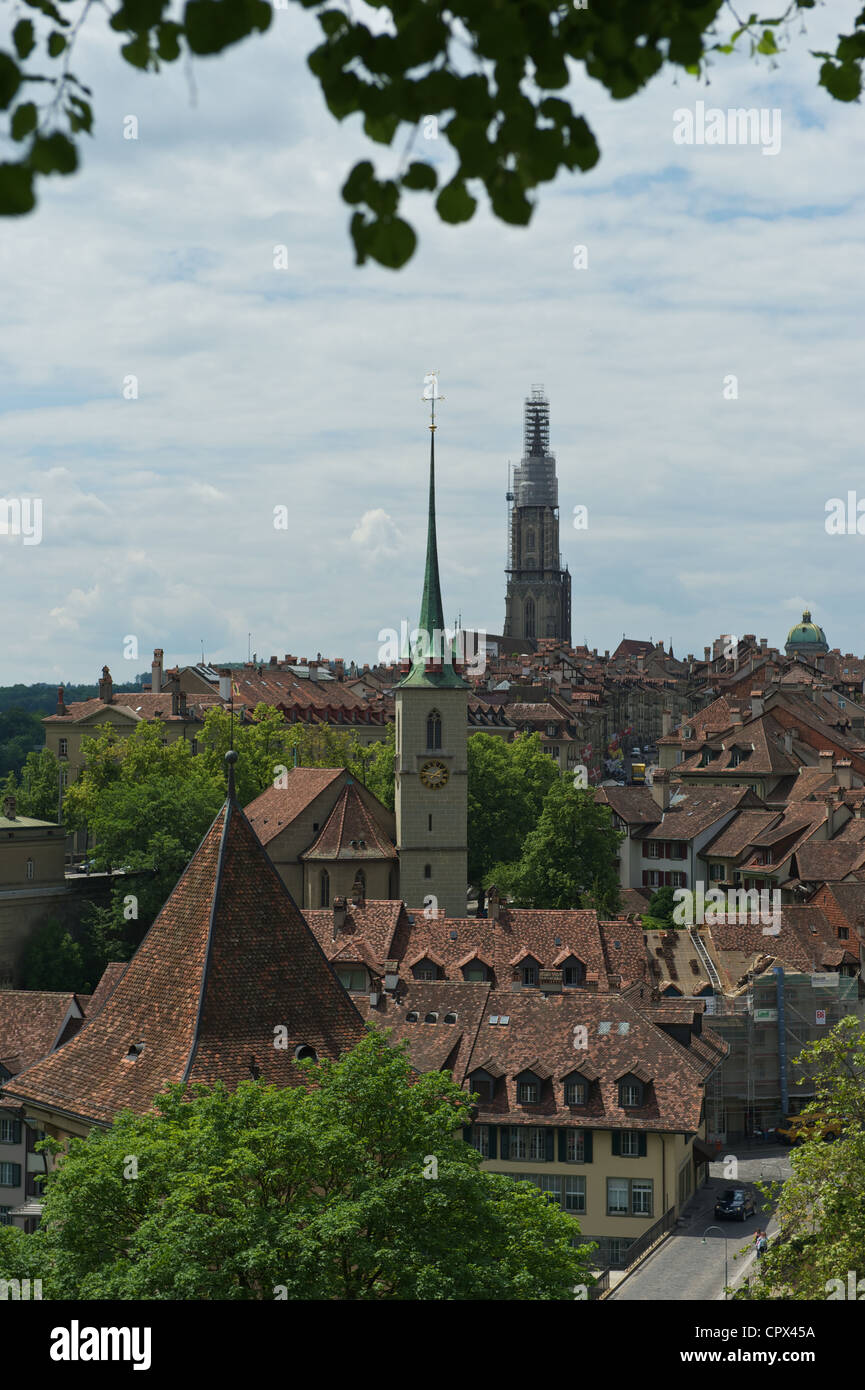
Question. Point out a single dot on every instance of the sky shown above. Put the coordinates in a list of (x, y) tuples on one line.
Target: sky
[(300, 387)]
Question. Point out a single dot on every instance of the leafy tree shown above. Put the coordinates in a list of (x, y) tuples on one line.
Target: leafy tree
[(356, 1187), (821, 1208), (661, 906), (37, 788), (20, 734), (53, 959), (485, 73), (569, 859), (507, 783)]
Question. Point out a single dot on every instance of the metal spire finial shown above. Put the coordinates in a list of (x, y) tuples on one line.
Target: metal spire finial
[(431, 394)]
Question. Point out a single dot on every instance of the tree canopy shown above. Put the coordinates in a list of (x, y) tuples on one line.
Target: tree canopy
[(821, 1208), (507, 783), (357, 1187), (483, 71), (36, 787), (569, 859)]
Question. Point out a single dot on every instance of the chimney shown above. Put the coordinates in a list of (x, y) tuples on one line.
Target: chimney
[(764, 644), (274, 661), (106, 693), (61, 707), (825, 761), (225, 685), (313, 670), (666, 723), (707, 653), (339, 914), (844, 773), (661, 788), (789, 735), (756, 702), (494, 903), (156, 671), (9, 807)]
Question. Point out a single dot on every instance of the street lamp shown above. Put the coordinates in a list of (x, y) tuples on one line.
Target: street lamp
[(724, 1234)]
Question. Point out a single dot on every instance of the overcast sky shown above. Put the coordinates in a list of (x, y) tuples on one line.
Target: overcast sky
[(260, 387)]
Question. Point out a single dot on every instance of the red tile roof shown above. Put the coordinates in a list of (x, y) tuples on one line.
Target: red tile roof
[(351, 831), (31, 1024), (229, 958), (277, 807)]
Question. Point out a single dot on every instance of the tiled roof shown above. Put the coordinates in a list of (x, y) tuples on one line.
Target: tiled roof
[(228, 959), (623, 1040), (137, 704), (110, 977), (277, 807), (373, 923), (351, 831), (695, 810), (822, 860), (739, 833), (31, 1024), (432, 1046), (805, 942)]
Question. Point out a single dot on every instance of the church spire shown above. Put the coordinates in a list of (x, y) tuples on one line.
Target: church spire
[(432, 661)]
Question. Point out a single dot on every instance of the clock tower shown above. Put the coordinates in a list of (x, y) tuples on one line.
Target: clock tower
[(431, 771)]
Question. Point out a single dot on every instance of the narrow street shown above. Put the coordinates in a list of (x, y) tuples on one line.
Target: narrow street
[(683, 1268)]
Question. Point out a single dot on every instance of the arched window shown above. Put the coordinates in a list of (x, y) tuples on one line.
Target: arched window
[(433, 729), (325, 889), (359, 890), (427, 870), (530, 617), (530, 540)]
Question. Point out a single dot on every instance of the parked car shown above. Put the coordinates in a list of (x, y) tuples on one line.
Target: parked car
[(798, 1129), (735, 1204)]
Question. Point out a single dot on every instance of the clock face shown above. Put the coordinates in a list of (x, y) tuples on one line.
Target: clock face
[(434, 774)]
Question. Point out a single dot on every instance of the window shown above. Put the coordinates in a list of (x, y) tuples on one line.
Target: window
[(653, 849), (425, 970), (677, 879), (6, 1216), (324, 889), (630, 1093), (530, 617), (575, 1195), (64, 748), (434, 729), (10, 1131), (304, 1051), (629, 1145), (530, 974), (430, 820), (528, 1143), (575, 1146), (10, 1174), (618, 1197), (575, 1093), (843, 933), (483, 1084), (716, 872), (630, 1196), (29, 868), (573, 973), (528, 1092), (480, 1139), (427, 870), (530, 539), (359, 888), (476, 973), (353, 978)]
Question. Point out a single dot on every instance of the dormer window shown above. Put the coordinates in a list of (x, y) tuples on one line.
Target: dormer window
[(135, 1051), (631, 1092), (353, 978), (425, 969), (412, 1016), (573, 973), (576, 1090), (528, 1092), (431, 1017), (484, 1084), (475, 972), (304, 1051)]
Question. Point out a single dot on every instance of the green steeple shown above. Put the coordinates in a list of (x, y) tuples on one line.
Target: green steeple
[(432, 621)]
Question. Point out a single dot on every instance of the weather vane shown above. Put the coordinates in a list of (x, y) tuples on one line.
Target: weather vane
[(431, 394)]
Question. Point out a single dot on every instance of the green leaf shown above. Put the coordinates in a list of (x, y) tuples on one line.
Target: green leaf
[(24, 120), (24, 38), (455, 203), (508, 198), (168, 41), (10, 79), (16, 190), (767, 44), (381, 128), (53, 154), (56, 43), (843, 82), (137, 51), (211, 25), (355, 188), (392, 242), (419, 176)]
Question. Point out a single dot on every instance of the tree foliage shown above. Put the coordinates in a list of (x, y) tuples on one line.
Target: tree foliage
[(36, 787), (569, 859), (821, 1208), (507, 783), (493, 76), (357, 1187)]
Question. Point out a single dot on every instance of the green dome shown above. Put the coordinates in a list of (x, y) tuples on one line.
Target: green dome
[(806, 636)]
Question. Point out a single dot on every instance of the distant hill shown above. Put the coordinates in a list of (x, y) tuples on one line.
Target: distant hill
[(22, 708)]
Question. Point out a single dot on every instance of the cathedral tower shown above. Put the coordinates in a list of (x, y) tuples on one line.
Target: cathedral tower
[(431, 770), (538, 599)]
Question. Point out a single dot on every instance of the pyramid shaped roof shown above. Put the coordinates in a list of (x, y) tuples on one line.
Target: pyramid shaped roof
[(228, 960)]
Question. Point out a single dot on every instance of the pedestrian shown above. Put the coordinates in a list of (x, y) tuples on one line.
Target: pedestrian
[(762, 1243)]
